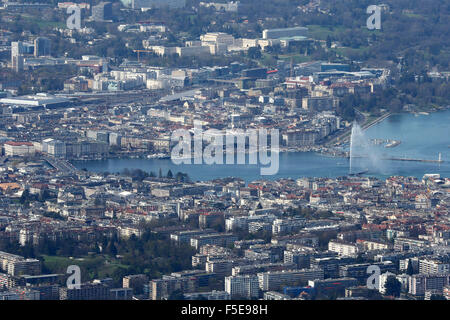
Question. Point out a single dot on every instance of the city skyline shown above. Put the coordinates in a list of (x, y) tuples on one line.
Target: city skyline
[(240, 150)]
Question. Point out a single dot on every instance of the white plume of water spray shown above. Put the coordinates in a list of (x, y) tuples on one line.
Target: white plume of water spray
[(351, 148), (361, 149)]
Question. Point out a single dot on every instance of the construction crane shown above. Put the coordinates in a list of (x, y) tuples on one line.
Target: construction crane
[(138, 53)]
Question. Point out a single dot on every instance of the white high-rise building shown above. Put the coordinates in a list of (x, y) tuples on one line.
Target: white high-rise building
[(17, 49), (242, 286), (433, 266)]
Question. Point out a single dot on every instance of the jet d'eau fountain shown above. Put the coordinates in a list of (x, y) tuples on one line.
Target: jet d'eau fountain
[(364, 157)]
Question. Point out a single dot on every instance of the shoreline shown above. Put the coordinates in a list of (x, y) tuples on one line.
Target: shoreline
[(328, 149), (368, 124), (377, 120), (343, 137)]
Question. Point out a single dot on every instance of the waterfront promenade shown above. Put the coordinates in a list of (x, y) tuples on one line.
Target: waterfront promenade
[(344, 136)]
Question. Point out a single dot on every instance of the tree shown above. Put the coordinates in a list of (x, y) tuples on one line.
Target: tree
[(410, 269), (359, 258), (392, 286), (44, 195), (24, 196), (254, 53), (176, 295), (112, 250), (182, 177), (328, 41), (169, 174)]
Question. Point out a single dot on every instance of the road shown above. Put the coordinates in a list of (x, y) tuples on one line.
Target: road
[(61, 165)]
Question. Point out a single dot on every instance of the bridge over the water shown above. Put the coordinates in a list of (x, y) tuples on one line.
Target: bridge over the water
[(61, 165)]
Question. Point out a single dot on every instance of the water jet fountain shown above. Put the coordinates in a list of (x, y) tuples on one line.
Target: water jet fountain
[(363, 155)]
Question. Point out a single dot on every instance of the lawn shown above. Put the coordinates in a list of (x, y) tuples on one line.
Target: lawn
[(413, 15), (321, 32), (296, 58), (98, 266), (43, 23)]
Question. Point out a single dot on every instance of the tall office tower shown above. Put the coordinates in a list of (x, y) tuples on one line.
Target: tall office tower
[(42, 47), (102, 11), (17, 49)]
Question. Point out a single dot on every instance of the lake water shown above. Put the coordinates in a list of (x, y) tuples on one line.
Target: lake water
[(421, 136)]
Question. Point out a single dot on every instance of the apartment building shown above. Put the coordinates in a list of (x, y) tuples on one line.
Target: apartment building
[(275, 280), (163, 288), (246, 286), (7, 281), (20, 293), (370, 245), (212, 295), (219, 239), (19, 149), (433, 266), (446, 292), (15, 265), (300, 258), (344, 249), (419, 283), (332, 285), (320, 103), (281, 226), (87, 291), (330, 265), (221, 267), (262, 267), (359, 271)]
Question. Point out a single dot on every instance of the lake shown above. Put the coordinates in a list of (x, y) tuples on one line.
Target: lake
[(422, 137)]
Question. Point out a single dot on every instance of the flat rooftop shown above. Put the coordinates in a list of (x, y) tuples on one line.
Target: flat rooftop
[(37, 100)]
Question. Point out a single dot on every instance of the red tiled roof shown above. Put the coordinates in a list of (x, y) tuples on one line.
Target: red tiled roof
[(17, 143)]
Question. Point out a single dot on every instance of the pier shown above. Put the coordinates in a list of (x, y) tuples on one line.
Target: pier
[(415, 160), (439, 160)]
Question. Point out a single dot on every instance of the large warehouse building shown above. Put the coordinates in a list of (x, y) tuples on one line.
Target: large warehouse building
[(38, 100)]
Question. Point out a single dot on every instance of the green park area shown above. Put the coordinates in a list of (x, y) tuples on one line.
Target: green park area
[(92, 267)]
